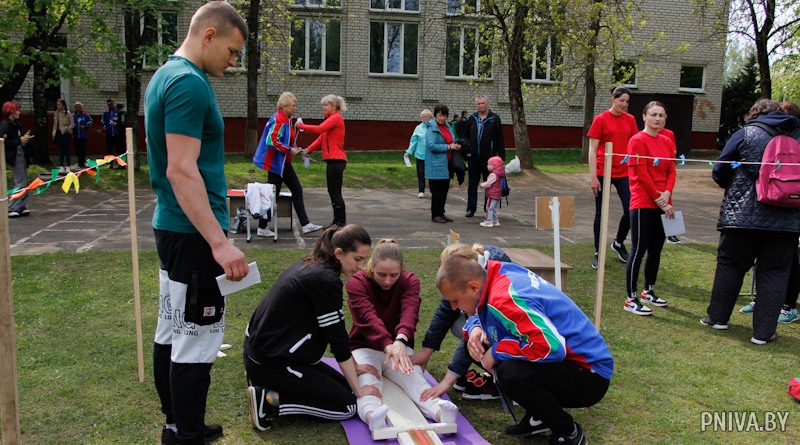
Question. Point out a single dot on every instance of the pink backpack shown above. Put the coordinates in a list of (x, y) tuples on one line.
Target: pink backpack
[(778, 184)]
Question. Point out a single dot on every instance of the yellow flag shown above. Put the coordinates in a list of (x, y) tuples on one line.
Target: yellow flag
[(69, 180)]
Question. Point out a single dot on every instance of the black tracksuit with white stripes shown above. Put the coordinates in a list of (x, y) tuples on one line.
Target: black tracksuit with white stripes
[(287, 336)]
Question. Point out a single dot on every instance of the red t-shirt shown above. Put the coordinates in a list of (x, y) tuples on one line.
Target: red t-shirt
[(647, 180), (615, 129)]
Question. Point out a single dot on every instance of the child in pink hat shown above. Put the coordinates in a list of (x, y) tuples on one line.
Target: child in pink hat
[(493, 193)]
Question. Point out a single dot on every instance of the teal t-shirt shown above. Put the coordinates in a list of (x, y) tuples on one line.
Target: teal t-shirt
[(179, 100)]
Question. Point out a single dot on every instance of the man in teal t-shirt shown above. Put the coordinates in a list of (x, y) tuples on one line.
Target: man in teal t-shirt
[(186, 153)]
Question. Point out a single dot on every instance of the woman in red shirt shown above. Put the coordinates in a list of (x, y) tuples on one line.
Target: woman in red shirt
[(384, 305), (652, 180), (331, 142), (616, 126)]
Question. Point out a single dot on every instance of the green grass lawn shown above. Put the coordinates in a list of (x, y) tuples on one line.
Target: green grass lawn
[(77, 356), (365, 169)]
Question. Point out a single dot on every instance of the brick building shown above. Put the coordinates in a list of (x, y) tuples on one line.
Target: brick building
[(391, 58)]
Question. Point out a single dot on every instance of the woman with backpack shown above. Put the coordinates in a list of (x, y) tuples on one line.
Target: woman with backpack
[(751, 231)]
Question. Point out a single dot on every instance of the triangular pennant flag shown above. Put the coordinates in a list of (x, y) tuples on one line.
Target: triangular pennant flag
[(656, 161), (683, 159), (69, 180), (35, 183), (94, 169), (735, 164), (121, 161), (779, 165), (625, 159), (18, 195)]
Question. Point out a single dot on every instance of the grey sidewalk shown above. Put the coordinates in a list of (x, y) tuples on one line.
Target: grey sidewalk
[(99, 220)]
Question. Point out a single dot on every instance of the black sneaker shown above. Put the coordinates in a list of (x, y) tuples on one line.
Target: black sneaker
[(757, 341), (482, 388), (578, 439), (648, 296), (528, 426), (594, 262), (470, 213), (673, 240), (635, 306), (708, 321), (621, 251), (462, 382), (211, 432), (259, 408)]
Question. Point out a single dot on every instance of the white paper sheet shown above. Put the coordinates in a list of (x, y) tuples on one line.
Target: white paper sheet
[(407, 161), (227, 287), (674, 227)]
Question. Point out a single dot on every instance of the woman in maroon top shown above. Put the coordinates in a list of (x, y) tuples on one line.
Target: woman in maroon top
[(384, 305), (652, 179)]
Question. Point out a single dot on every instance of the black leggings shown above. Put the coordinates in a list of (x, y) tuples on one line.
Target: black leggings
[(545, 389), (647, 235), (314, 390), (439, 189), (293, 183), (334, 175), (624, 192), (421, 175)]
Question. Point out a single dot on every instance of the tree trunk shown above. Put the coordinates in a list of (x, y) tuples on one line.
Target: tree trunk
[(44, 137), (762, 55), (18, 74), (516, 43), (590, 83), (133, 82), (253, 62)]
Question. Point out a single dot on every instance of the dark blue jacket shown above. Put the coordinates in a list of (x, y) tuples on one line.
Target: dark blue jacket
[(740, 207)]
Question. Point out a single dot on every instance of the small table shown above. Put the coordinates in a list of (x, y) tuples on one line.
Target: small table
[(538, 263)]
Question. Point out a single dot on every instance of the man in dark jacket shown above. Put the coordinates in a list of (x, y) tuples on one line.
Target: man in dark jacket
[(751, 231), (484, 134)]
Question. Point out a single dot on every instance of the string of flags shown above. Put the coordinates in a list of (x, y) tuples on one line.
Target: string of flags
[(71, 180), (681, 160)]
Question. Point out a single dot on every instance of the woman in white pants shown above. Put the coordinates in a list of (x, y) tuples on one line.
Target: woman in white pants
[(384, 304)]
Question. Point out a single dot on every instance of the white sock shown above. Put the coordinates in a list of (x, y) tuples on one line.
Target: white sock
[(377, 418), (448, 412), (172, 426)]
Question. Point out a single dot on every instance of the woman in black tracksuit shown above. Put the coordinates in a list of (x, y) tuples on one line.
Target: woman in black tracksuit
[(292, 327)]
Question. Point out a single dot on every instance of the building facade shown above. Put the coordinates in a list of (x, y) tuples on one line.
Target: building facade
[(390, 59)]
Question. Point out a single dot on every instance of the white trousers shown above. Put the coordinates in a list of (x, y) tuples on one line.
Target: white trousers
[(413, 384), (190, 343)]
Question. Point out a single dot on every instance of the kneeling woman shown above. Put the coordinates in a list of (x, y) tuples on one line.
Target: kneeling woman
[(384, 303), (292, 327)]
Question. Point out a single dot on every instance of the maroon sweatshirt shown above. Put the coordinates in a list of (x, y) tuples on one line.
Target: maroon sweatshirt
[(380, 315)]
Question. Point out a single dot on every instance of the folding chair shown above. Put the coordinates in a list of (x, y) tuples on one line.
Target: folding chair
[(260, 200)]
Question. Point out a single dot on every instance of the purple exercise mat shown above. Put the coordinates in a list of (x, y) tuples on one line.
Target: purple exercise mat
[(358, 432)]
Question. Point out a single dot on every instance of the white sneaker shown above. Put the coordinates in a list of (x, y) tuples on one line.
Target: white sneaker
[(310, 228), (265, 232), (496, 223), (66, 169), (61, 169), (487, 224), (421, 195)]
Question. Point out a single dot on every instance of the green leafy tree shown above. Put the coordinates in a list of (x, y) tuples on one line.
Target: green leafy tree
[(738, 95), (31, 38)]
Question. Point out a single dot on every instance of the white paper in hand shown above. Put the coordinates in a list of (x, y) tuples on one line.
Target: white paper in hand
[(675, 226), (227, 287), (306, 161), (408, 162)]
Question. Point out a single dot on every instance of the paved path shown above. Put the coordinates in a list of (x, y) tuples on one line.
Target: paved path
[(99, 220)]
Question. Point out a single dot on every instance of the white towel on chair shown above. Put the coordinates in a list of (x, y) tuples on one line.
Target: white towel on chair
[(259, 198)]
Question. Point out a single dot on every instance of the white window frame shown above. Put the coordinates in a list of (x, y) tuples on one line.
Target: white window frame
[(307, 36), (385, 71), (535, 62), (461, 10), (401, 9), (323, 5), (702, 88), (160, 34), (476, 56)]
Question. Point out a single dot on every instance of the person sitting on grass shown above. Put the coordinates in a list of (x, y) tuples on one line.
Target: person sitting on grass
[(384, 305), (544, 351)]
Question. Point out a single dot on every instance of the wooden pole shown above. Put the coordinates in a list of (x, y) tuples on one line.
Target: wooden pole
[(137, 301), (9, 398), (555, 215), (601, 259)]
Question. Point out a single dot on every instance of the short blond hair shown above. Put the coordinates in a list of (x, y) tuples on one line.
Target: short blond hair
[(425, 113), (472, 252), (336, 101), (285, 99), (459, 269), (219, 15)]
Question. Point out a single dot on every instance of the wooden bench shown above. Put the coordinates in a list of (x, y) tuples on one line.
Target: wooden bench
[(538, 263)]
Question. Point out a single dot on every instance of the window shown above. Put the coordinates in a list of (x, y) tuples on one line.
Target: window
[(455, 7), (693, 78), (543, 63), (315, 45), (395, 5), (393, 48), (468, 52), (318, 3), (166, 41), (624, 73)]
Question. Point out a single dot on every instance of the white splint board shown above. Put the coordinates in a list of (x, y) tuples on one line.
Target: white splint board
[(407, 422)]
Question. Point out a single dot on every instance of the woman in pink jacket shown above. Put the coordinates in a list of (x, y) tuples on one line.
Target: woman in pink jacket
[(331, 143)]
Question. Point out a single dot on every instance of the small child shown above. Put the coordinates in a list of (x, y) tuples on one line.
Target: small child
[(493, 193)]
